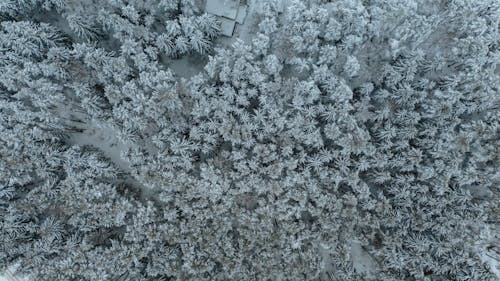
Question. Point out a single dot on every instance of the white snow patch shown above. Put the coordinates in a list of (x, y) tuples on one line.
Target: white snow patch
[(187, 67), (362, 261), (10, 274), (249, 28), (227, 26), (105, 139), (242, 14), (488, 250)]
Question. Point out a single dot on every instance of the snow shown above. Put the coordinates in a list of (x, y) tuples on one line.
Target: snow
[(282, 5), (260, 4), (227, 27), (362, 261), (231, 12), (489, 237), (242, 14), (223, 8), (104, 138), (9, 274), (249, 28), (237, 21), (492, 261), (187, 66)]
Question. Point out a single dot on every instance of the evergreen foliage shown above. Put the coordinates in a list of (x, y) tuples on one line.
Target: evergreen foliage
[(341, 123)]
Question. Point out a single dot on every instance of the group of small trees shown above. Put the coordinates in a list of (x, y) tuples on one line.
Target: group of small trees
[(55, 201), (170, 28)]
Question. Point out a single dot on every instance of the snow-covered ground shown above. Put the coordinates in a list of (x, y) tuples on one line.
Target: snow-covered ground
[(105, 139), (187, 67), (362, 261), (10, 275), (489, 250)]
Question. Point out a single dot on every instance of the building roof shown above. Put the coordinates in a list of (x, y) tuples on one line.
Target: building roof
[(223, 8), (226, 26)]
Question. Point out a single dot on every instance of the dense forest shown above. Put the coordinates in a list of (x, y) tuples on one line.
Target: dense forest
[(344, 140)]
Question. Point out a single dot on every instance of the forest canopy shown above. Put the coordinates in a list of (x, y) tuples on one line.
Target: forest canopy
[(326, 140)]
